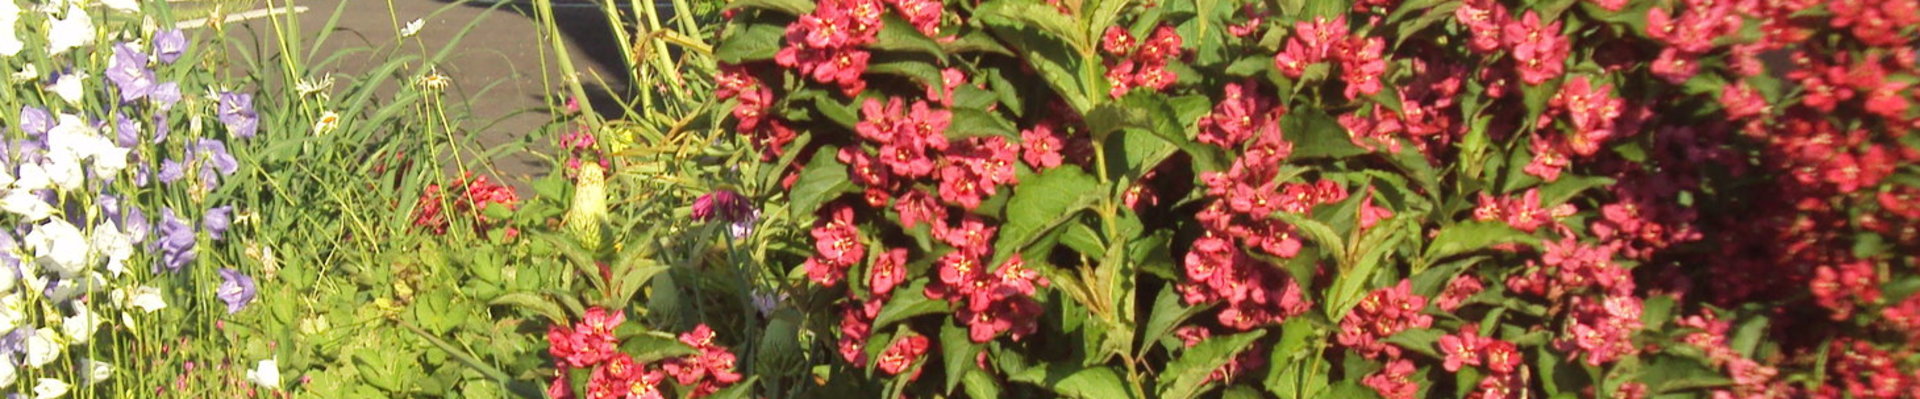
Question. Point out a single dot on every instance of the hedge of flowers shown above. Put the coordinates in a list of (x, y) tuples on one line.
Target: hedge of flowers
[(1423, 198)]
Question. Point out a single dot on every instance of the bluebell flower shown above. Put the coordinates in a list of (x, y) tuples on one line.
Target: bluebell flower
[(15, 342), (169, 45), (35, 121), (128, 131), (171, 171), (135, 224), (128, 72), (176, 242), (236, 111), (236, 290), (214, 161), (216, 221), (161, 128), (165, 95)]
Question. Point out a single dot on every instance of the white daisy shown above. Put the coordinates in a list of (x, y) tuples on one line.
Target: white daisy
[(412, 28)]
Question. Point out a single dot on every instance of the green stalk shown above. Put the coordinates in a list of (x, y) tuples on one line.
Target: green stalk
[(570, 75)]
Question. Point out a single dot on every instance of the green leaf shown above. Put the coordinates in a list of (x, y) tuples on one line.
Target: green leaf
[(920, 72), (739, 390), (790, 7), (1042, 203), (1038, 15), (970, 122), (979, 384), (1167, 315), (750, 42), (1321, 234), (1473, 236), (823, 179), (1316, 135), (975, 41), (1092, 383), (1184, 376), (532, 302), (1747, 337), (653, 345), (1420, 340), (957, 351), (1568, 186), (906, 304), (1057, 65), (898, 35)]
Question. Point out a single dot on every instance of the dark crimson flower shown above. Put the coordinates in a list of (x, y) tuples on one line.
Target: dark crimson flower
[(924, 15), (723, 205), (837, 245)]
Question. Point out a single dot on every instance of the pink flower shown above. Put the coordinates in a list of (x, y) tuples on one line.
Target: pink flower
[(837, 245), (1461, 349), (1539, 51), (1361, 65), (888, 270), (1395, 381), (1041, 145), (903, 353)]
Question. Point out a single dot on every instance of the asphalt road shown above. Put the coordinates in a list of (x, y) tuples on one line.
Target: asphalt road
[(504, 49)]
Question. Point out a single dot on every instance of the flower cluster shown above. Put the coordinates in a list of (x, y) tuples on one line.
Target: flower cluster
[(591, 344), (1133, 63), (709, 370), (826, 44), (470, 196), (1379, 315)]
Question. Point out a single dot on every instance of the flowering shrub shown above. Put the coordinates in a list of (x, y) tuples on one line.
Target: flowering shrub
[(1482, 198)]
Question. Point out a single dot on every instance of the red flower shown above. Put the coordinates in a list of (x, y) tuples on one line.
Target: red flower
[(1041, 146), (588, 343), (1540, 51), (888, 271), (1380, 314), (1742, 101), (837, 245), (1462, 349), (1457, 292), (1371, 215), (1241, 113), (903, 353), (1361, 65), (1395, 381), (916, 207), (1483, 20)]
